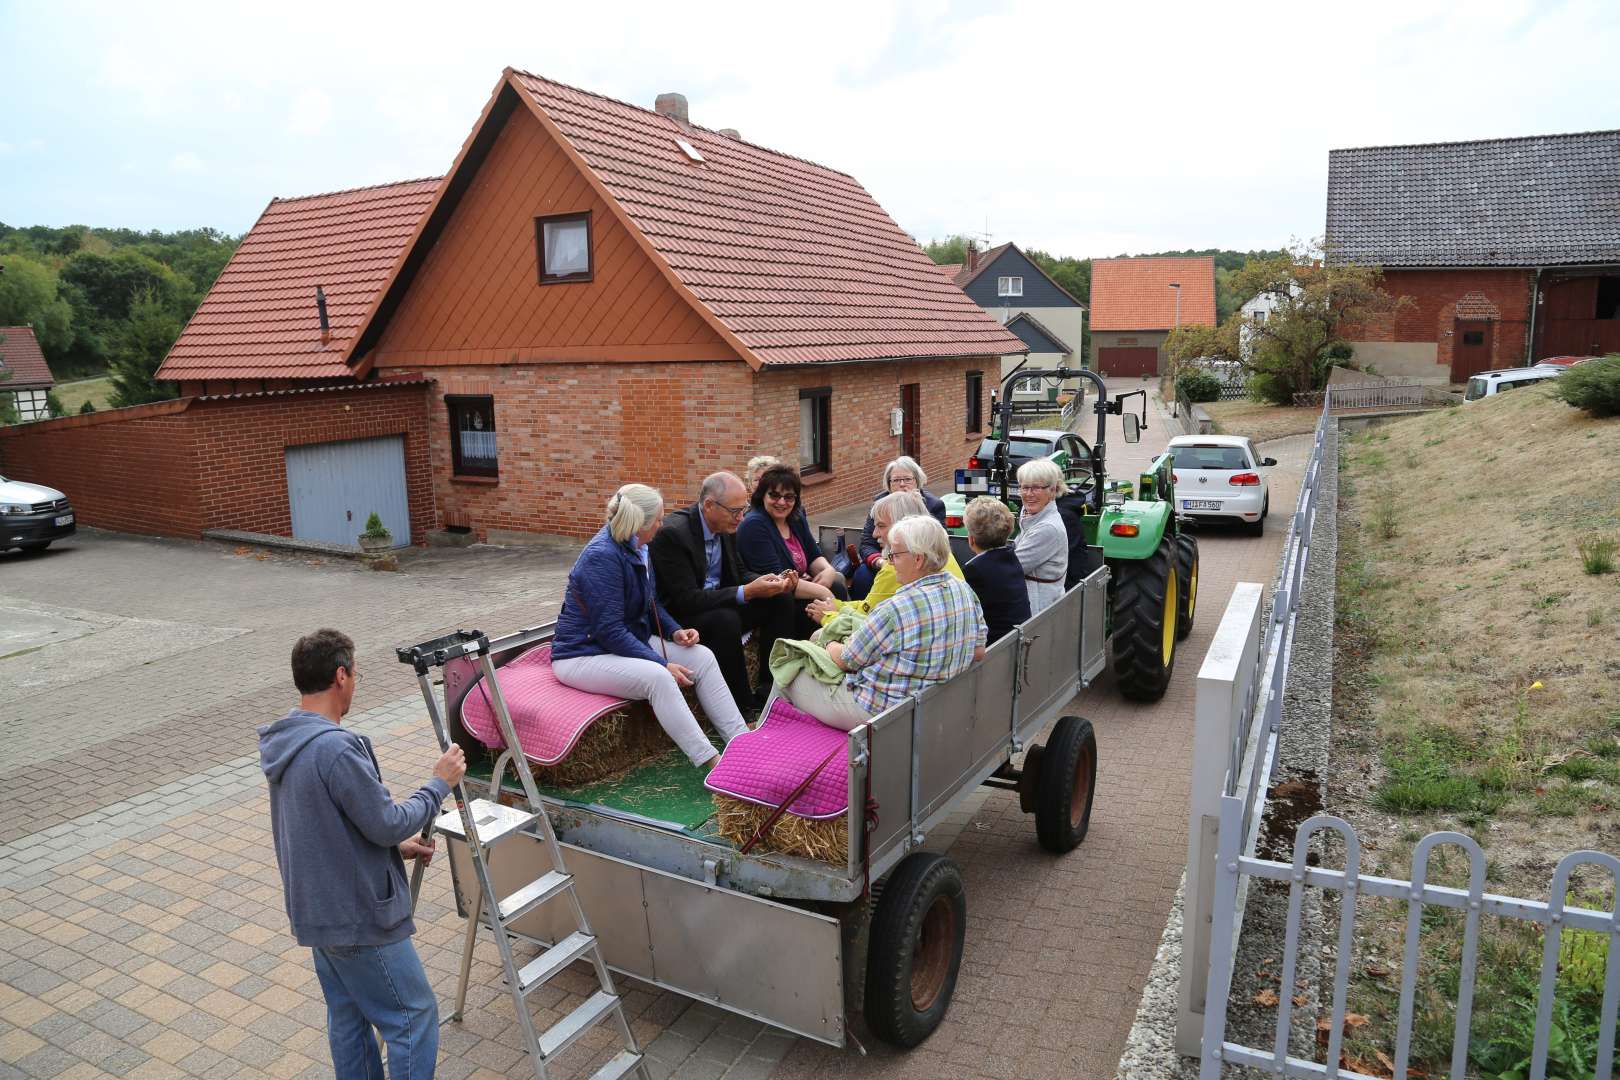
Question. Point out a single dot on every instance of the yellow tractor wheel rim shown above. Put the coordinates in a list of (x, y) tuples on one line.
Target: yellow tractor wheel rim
[(1169, 620), (1192, 591)]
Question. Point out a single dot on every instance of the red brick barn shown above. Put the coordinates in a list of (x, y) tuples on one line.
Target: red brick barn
[(1508, 249)]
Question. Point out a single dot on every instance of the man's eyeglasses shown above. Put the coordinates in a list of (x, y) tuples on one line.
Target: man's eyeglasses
[(734, 511), (895, 553), (783, 497)]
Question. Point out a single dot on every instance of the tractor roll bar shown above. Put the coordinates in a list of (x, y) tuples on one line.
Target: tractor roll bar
[(1102, 408)]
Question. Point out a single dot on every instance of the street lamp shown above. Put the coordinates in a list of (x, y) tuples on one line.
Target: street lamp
[(1176, 285)]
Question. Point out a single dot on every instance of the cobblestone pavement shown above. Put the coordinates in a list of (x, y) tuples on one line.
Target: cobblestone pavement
[(141, 927)]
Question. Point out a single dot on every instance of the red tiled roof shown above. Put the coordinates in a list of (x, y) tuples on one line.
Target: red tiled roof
[(21, 359), (1135, 294), (259, 319), (794, 259), (949, 269)]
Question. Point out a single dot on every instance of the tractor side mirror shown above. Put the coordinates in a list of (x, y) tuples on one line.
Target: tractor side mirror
[(1268, 461), (1133, 427)]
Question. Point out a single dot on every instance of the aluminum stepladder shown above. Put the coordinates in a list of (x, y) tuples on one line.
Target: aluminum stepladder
[(484, 823)]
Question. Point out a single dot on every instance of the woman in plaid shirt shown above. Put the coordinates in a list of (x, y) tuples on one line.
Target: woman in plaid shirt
[(927, 632)]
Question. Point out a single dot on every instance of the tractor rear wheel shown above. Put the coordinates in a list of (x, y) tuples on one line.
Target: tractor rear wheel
[(1146, 606), (1187, 573)]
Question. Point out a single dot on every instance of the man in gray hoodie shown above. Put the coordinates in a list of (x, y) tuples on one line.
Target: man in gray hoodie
[(341, 841)]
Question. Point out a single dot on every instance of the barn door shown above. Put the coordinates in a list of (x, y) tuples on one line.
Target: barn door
[(910, 430), (332, 488), (1470, 348)]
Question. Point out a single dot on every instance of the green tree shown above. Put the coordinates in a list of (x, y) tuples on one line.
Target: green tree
[(142, 343), (1293, 350), (1192, 342), (28, 297), (952, 249)]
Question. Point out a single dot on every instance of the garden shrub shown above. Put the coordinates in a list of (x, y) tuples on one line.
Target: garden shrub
[(1593, 386), (1198, 386)]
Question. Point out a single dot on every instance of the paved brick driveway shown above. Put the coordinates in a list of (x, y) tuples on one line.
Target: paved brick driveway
[(141, 929)]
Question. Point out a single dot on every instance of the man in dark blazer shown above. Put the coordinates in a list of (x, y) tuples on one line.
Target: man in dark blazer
[(703, 584)]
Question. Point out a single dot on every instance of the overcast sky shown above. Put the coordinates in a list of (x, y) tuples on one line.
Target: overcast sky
[(1080, 129)]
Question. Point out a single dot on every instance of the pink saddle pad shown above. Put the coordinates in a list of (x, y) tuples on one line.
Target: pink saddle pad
[(547, 716), (765, 765)]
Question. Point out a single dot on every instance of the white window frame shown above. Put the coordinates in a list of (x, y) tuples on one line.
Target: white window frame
[(1010, 285)]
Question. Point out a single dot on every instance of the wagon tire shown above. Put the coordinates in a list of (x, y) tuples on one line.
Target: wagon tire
[(1067, 783), (1187, 571), (916, 949), (1144, 631)]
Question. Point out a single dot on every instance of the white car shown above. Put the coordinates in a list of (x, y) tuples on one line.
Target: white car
[(1490, 383), (1220, 478), (32, 515)]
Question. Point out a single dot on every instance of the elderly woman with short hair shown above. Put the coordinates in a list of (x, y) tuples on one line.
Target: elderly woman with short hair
[(994, 573), (614, 637), (1042, 546), (927, 632), (901, 474)]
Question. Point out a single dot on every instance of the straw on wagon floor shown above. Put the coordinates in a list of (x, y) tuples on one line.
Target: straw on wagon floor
[(827, 839)]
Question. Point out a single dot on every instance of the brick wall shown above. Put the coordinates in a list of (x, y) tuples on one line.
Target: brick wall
[(1431, 315), (570, 434), (178, 467)]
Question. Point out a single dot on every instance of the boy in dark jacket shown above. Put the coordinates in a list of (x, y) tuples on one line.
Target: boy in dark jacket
[(341, 841)]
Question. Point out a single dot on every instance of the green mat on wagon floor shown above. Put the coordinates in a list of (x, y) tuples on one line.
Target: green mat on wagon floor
[(667, 789)]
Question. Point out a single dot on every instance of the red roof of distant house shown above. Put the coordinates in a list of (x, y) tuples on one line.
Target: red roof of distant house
[(1135, 294), (950, 270), (22, 361), (796, 260), (259, 320)]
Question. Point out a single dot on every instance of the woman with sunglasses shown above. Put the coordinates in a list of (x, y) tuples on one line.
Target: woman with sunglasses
[(775, 539)]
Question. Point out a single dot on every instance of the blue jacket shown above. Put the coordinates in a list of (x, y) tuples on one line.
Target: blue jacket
[(608, 606), (762, 548), (337, 832), (997, 577)]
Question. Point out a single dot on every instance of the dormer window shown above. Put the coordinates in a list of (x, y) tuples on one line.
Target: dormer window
[(565, 247), (1009, 286)]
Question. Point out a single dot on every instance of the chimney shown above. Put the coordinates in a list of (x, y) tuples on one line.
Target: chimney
[(731, 133), (672, 106), (972, 264), (320, 306)]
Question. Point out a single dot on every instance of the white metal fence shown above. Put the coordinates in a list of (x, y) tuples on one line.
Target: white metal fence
[(1239, 703)]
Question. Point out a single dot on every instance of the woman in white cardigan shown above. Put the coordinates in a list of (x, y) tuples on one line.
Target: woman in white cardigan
[(1042, 546)]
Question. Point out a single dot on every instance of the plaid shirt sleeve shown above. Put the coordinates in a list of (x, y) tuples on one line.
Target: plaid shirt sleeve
[(870, 641)]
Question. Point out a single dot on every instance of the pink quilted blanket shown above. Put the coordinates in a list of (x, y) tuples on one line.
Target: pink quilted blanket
[(547, 716), (765, 765)]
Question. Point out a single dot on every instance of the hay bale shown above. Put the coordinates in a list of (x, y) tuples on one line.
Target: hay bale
[(619, 741), (827, 840)]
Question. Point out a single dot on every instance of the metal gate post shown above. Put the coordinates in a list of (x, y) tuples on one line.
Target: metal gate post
[(1222, 939)]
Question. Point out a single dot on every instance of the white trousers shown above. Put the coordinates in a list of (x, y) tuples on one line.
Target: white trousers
[(834, 706), (643, 680)]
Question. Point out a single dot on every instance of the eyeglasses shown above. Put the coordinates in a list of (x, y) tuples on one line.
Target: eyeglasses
[(1034, 487), (354, 676), (902, 480), (895, 553), (783, 497), (734, 511)]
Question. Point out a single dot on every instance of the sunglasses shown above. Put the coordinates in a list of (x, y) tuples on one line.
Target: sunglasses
[(782, 497)]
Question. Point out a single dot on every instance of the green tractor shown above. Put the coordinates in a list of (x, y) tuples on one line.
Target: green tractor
[(1153, 563)]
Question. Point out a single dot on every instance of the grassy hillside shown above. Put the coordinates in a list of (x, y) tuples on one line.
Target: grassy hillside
[(1478, 670)]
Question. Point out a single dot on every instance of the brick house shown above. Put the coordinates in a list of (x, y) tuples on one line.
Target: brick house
[(1508, 249), (594, 294), (598, 293), (1135, 303), (24, 376)]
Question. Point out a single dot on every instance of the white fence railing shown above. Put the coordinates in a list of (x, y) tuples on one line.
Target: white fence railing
[(1239, 703)]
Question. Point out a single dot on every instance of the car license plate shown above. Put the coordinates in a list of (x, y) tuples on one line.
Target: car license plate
[(973, 481), (1200, 504), (65, 519)]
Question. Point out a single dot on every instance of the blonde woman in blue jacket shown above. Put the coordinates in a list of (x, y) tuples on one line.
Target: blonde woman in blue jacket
[(614, 637)]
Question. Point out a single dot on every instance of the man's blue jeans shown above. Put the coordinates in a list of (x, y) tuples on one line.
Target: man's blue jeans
[(381, 986)]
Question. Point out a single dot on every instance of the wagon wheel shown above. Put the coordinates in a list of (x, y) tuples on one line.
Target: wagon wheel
[(1068, 779), (916, 949)]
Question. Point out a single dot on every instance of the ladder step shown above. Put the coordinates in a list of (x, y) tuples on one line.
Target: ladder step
[(534, 894), (493, 821), (562, 1035), (622, 1063), (554, 959)]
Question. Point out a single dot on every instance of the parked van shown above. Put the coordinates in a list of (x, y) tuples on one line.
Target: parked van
[(1487, 383)]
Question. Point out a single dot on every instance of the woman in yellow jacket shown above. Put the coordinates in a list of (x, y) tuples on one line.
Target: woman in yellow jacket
[(885, 512)]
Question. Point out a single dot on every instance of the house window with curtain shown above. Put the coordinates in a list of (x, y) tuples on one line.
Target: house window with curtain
[(975, 401), (815, 430), (1009, 286), (565, 248), (472, 436)]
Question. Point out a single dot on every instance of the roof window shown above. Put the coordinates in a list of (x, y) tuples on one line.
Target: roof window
[(690, 151)]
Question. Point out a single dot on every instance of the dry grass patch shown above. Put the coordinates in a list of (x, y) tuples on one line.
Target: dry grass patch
[(1477, 672), (1262, 422), (73, 395)]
